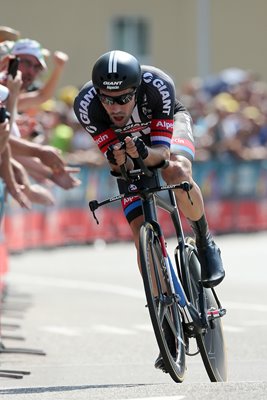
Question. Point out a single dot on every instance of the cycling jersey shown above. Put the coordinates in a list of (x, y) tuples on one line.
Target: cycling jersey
[(158, 118)]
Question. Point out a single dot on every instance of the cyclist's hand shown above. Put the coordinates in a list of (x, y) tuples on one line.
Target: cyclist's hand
[(116, 154), (135, 147)]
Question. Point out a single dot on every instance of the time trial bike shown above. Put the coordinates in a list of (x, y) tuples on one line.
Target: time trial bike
[(184, 314)]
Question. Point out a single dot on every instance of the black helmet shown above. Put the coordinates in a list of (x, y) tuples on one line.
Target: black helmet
[(116, 70)]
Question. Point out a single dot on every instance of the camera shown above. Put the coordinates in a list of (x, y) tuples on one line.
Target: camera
[(13, 67)]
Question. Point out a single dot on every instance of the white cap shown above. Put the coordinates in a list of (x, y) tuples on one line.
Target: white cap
[(29, 47), (4, 92)]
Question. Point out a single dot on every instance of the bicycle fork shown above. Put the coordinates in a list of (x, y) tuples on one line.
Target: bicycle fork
[(189, 312)]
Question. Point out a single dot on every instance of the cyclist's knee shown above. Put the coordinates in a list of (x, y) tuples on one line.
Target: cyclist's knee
[(179, 169)]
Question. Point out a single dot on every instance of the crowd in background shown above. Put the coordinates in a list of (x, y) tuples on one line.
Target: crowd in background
[(43, 138), (229, 113), (21, 157)]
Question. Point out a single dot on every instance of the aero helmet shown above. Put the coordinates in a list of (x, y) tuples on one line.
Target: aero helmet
[(116, 70)]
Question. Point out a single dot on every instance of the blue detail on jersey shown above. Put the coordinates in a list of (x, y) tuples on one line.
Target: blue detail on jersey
[(176, 148), (161, 143)]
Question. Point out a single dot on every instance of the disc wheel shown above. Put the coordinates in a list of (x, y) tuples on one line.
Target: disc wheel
[(211, 344)]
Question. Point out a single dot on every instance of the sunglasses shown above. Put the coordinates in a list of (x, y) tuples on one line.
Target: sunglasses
[(110, 100)]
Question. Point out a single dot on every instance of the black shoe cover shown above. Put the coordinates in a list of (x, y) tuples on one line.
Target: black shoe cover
[(212, 271)]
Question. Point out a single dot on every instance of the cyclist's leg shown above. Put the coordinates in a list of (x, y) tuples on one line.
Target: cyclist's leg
[(180, 169), (133, 212)]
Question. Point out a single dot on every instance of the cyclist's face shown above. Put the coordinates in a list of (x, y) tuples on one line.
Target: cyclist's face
[(118, 113)]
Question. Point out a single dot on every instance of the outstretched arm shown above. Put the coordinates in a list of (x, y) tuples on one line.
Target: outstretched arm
[(7, 174), (31, 99)]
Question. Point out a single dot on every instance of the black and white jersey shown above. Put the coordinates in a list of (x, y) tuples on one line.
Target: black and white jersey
[(152, 117)]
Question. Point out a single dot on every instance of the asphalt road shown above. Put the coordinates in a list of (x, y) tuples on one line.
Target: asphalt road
[(85, 308)]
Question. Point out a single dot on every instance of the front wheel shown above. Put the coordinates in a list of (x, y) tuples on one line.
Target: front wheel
[(211, 344), (162, 305)]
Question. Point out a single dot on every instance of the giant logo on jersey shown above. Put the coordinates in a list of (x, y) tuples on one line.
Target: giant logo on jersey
[(83, 109), (163, 90)]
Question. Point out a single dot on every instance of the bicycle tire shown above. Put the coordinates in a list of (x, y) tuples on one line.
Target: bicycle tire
[(211, 344), (153, 265)]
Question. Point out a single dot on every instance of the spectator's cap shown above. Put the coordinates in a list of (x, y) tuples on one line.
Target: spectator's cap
[(67, 94), (234, 76), (7, 33), (29, 47), (48, 105), (225, 102), (5, 48), (54, 106), (253, 113)]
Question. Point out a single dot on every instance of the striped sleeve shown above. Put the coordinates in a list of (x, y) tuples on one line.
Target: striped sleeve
[(161, 132)]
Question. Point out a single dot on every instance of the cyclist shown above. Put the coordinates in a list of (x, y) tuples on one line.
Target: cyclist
[(137, 104)]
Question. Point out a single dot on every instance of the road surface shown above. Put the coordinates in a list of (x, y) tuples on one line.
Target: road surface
[(84, 307)]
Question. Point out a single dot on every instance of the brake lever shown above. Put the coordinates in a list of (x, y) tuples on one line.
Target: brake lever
[(93, 205)]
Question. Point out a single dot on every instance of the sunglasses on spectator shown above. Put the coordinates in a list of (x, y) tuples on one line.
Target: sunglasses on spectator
[(29, 64), (121, 100)]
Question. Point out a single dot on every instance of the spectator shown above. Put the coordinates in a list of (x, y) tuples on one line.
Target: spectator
[(32, 63), (250, 140)]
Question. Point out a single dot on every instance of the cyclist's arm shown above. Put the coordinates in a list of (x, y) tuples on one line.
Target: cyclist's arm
[(156, 155)]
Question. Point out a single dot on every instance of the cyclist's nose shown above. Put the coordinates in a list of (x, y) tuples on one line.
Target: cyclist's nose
[(115, 108)]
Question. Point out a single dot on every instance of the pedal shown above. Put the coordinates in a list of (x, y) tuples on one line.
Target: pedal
[(214, 313)]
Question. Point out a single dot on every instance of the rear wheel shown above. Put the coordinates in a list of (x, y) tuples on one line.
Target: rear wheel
[(211, 344), (162, 305)]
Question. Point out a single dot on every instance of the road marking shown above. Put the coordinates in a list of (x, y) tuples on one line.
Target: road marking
[(61, 330), (158, 398), (245, 306), (233, 329), (109, 288), (112, 329), (144, 327), (255, 323), (76, 284)]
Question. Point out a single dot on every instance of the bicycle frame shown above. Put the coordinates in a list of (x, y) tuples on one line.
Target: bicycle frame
[(150, 201), (195, 308)]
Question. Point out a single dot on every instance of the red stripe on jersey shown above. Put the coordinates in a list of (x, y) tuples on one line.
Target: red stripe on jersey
[(183, 142), (105, 139)]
